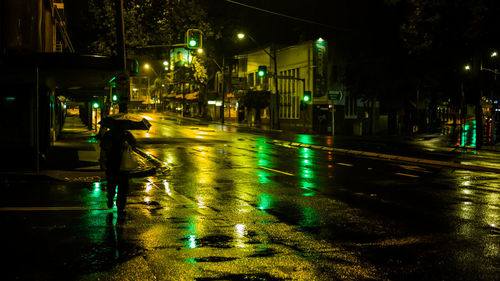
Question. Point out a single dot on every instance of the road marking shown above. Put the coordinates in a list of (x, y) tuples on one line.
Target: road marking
[(414, 168), (29, 209), (277, 171), (407, 175), (345, 164)]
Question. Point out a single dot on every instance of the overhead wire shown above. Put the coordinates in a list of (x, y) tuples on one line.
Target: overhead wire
[(286, 16)]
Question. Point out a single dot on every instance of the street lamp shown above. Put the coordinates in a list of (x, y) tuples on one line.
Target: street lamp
[(147, 67), (275, 116)]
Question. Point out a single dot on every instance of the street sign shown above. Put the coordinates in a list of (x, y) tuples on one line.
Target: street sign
[(336, 97)]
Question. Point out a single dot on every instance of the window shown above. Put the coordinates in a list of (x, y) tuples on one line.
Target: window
[(288, 86)]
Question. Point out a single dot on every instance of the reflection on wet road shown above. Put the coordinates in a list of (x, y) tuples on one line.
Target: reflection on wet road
[(235, 206), (314, 213)]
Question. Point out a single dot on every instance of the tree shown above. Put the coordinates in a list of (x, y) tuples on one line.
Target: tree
[(147, 22), (452, 32)]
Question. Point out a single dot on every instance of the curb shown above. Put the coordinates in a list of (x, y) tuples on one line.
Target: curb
[(218, 123), (405, 159)]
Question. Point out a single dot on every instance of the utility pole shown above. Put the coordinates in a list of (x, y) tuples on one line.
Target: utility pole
[(122, 56)]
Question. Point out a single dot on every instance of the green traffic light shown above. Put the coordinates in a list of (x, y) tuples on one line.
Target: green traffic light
[(193, 43), (95, 105), (261, 73), (115, 98), (306, 98)]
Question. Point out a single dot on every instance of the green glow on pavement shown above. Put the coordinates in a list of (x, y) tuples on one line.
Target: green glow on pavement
[(307, 139), (309, 217), (265, 201)]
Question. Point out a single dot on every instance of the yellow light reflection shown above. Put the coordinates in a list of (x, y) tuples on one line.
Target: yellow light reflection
[(192, 241), (167, 188), (147, 199), (200, 202), (240, 233), (240, 230), (147, 117)]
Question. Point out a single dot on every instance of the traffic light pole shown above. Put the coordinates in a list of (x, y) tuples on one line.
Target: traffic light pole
[(275, 112)]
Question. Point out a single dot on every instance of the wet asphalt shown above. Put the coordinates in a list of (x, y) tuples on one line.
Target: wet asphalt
[(233, 205)]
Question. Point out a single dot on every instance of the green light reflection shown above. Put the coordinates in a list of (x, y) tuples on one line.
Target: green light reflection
[(468, 137), (309, 217), (306, 175), (263, 176), (265, 201), (263, 153), (304, 139), (190, 237)]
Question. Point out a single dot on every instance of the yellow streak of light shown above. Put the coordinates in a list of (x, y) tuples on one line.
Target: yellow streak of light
[(277, 171), (146, 117)]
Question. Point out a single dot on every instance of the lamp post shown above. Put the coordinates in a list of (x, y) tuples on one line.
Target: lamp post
[(275, 116), (222, 70), (147, 67)]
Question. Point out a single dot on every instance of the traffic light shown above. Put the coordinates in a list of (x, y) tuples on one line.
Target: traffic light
[(194, 39), (307, 97), (95, 105), (262, 72), (115, 98)]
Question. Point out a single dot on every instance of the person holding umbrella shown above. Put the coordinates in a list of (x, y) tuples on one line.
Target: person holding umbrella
[(113, 143)]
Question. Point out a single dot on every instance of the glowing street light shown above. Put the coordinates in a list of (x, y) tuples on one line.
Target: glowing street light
[(241, 35), (494, 54), (467, 67)]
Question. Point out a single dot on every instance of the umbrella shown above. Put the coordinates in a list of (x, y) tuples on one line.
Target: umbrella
[(126, 121)]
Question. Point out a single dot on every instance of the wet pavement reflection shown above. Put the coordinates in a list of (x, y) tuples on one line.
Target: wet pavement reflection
[(235, 206)]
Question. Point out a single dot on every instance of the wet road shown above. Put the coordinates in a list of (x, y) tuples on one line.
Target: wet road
[(233, 205)]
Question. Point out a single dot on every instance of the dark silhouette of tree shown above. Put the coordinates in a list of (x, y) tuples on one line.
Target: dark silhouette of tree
[(446, 35), (147, 22)]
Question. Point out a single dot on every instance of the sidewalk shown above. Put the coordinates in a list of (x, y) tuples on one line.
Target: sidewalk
[(75, 156), (429, 149)]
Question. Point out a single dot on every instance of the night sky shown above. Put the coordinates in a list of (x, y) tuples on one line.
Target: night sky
[(366, 34), (333, 18)]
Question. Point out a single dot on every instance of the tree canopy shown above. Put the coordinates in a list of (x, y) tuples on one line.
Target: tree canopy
[(147, 22)]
